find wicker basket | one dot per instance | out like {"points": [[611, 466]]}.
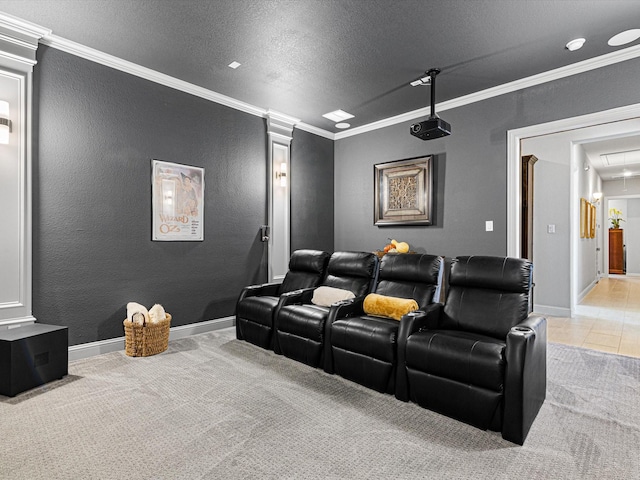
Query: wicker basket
{"points": [[146, 340]]}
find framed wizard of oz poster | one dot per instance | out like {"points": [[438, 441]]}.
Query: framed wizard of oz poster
{"points": [[403, 192], [177, 193]]}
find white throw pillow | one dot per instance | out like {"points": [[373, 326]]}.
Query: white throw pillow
{"points": [[326, 296]]}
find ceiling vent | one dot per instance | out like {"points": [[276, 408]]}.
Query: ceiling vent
{"points": [[620, 158], [434, 126]]}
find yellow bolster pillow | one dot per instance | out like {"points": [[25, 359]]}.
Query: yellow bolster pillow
{"points": [[392, 307]]}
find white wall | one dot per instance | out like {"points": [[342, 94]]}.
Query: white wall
{"points": [[551, 207], [618, 194], [17, 52], [619, 188], [588, 257], [632, 240], [11, 198]]}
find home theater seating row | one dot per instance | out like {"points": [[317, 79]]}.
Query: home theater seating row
{"points": [[469, 349]]}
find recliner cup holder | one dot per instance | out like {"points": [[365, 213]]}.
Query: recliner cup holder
{"points": [[520, 329]]}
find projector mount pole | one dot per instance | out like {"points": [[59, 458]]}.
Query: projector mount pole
{"points": [[432, 75]]}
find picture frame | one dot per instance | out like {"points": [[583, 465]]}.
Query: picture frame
{"points": [[587, 221], [583, 218], [592, 223], [403, 192], [177, 203]]}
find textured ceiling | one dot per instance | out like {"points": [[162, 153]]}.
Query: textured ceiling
{"points": [[304, 58]]}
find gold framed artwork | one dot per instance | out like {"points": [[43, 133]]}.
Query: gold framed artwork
{"points": [[583, 218], [403, 192], [587, 219]]}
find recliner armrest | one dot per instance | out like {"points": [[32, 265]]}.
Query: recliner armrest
{"points": [[264, 289], [525, 378], [427, 318], [410, 323], [302, 295], [294, 297], [350, 307], [342, 309]]}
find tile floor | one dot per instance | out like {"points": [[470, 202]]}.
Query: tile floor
{"points": [[608, 319]]}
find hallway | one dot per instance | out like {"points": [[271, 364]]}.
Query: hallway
{"points": [[608, 318]]}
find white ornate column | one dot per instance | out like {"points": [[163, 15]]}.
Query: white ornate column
{"points": [[18, 45], [280, 130]]}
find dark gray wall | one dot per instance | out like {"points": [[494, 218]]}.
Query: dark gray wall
{"points": [[96, 131], [311, 192], [471, 185]]}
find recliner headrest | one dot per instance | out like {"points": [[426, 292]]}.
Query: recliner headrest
{"points": [[352, 264], [411, 267], [314, 261], [498, 273]]}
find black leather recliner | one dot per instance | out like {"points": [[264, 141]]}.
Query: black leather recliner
{"points": [[300, 323], [363, 348], [480, 357], [256, 304]]}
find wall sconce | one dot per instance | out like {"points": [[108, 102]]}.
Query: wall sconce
{"points": [[597, 196], [5, 123], [282, 174]]}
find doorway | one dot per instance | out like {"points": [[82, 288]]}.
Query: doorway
{"points": [[602, 327], [558, 272], [629, 206]]}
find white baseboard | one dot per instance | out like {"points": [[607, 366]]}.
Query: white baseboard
{"points": [[552, 311], [8, 324], [587, 290], [85, 350]]}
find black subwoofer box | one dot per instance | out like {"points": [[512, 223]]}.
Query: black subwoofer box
{"points": [[32, 355]]}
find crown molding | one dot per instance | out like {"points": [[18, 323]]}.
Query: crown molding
{"points": [[315, 130], [125, 66], [280, 126], [538, 79], [111, 61], [19, 42], [23, 28], [26, 63], [282, 118], [47, 38]]}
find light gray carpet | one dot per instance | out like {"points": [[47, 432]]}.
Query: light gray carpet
{"points": [[215, 407]]}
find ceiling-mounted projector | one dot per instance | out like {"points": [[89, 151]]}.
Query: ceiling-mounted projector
{"points": [[434, 126]]}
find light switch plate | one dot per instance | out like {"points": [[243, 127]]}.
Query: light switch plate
{"points": [[488, 225]]}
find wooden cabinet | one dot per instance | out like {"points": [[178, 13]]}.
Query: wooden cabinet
{"points": [[616, 251]]}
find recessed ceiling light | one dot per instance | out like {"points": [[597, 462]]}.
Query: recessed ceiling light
{"points": [[625, 37], [338, 116], [343, 125], [575, 44], [234, 65]]}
